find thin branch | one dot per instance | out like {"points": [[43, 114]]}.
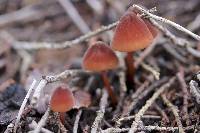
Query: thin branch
{"points": [[67, 44], [33, 125], [21, 110], [74, 15], [145, 128], [155, 73], [45, 45], [148, 104], [195, 91], [36, 94], [42, 122], [75, 129], [67, 74], [143, 117], [175, 112], [166, 21], [100, 113], [142, 92], [181, 79]]}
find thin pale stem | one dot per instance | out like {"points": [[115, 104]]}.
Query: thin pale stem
{"points": [[108, 88]]}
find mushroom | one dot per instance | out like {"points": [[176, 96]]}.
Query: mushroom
{"points": [[62, 101], [100, 58], [131, 34]]}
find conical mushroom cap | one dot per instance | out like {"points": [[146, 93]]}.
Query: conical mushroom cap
{"points": [[62, 100], [154, 31], [131, 34], [99, 57]]}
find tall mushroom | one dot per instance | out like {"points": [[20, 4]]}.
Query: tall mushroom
{"points": [[131, 34], [100, 58], [62, 101]]}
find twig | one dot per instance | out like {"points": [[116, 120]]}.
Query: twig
{"points": [[22, 14], [139, 96], [148, 104], [100, 113], [181, 79], [171, 50], [67, 44], [49, 79], [166, 21], [194, 24], [74, 15], [177, 40], [164, 115], [36, 94], [175, 112], [143, 117], [75, 129], [145, 128], [33, 125], [9, 128], [96, 5], [42, 122], [195, 91], [133, 98], [23, 105], [145, 53], [155, 73]]}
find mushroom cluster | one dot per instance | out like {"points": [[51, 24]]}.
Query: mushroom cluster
{"points": [[133, 33]]}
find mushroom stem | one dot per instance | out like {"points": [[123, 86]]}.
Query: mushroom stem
{"points": [[130, 69], [108, 87], [62, 117]]}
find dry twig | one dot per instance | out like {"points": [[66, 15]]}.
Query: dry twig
{"points": [[148, 104], [175, 112], [67, 74], [74, 15], [75, 129], [145, 128], [195, 91], [166, 21], [100, 113], [33, 125], [42, 122], [181, 79], [21, 110]]}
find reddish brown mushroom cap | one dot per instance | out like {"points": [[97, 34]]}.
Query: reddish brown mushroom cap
{"points": [[131, 34], [62, 100], [154, 31], [99, 57]]}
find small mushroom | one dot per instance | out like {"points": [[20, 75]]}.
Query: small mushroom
{"points": [[131, 34], [62, 101], [100, 58]]}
